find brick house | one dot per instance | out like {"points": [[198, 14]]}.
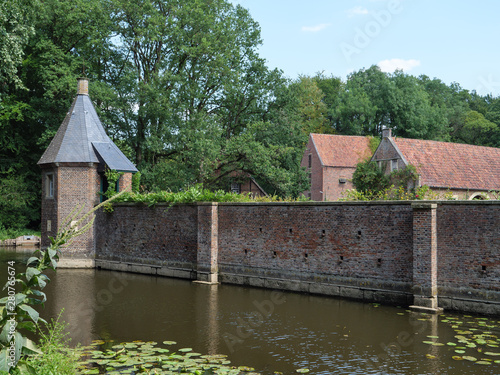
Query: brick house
{"points": [[331, 161], [73, 173], [467, 171], [244, 183]]}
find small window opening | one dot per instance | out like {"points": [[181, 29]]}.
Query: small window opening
{"points": [[49, 185], [309, 161], [394, 165], [236, 188]]}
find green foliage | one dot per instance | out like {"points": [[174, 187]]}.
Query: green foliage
{"points": [[24, 292], [368, 178], [9, 233], [55, 357], [15, 203], [136, 182], [311, 107], [112, 177], [197, 193]]}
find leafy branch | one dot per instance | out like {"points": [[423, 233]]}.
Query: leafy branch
{"points": [[17, 312]]}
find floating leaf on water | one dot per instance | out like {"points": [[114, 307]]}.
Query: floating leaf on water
{"points": [[430, 356], [185, 350], [460, 351], [302, 370], [169, 342], [245, 368], [483, 363], [492, 354], [433, 337], [98, 342], [469, 358], [451, 344], [428, 342], [457, 358]]}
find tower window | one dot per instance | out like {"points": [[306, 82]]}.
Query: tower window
{"points": [[49, 185], [310, 161]]}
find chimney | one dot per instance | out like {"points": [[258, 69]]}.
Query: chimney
{"points": [[83, 86], [386, 133]]}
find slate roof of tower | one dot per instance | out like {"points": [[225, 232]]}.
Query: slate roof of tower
{"points": [[341, 150], [453, 165], [81, 138]]}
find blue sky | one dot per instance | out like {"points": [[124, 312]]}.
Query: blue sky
{"points": [[455, 41]]}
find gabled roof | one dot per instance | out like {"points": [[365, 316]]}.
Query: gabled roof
{"points": [[81, 138], [453, 165], [341, 150]]}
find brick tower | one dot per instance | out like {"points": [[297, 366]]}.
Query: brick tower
{"points": [[73, 174]]}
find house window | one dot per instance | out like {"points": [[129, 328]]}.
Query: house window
{"points": [[310, 160], [49, 185], [310, 178], [235, 188], [394, 165]]}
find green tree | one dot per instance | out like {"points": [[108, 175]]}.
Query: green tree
{"points": [[311, 107]]}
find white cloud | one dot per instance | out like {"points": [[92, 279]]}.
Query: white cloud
{"points": [[315, 29], [356, 11], [391, 65]]}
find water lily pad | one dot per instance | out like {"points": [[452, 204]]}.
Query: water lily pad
{"points": [[483, 363], [169, 342], [492, 354], [469, 358], [302, 370], [457, 358]]}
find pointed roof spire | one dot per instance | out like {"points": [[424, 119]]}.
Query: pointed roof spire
{"points": [[81, 138]]}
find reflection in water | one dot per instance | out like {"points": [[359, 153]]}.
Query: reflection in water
{"points": [[265, 329]]}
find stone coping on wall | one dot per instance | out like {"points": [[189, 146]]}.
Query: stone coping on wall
{"points": [[328, 203]]}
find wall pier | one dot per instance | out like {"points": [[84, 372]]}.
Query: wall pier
{"points": [[425, 265], [208, 245]]}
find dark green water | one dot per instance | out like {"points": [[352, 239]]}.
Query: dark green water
{"points": [[268, 330]]}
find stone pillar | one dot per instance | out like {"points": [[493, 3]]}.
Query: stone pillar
{"points": [[425, 258], [208, 244]]}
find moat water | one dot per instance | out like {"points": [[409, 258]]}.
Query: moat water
{"points": [[265, 329]]}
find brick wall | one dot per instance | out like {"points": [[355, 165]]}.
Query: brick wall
{"points": [[469, 249], [333, 187], [315, 171], [379, 251], [76, 189], [331, 242], [159, 235]]}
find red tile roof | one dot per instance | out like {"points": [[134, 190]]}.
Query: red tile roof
{"points": [[341, 150], [453, 165]]}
